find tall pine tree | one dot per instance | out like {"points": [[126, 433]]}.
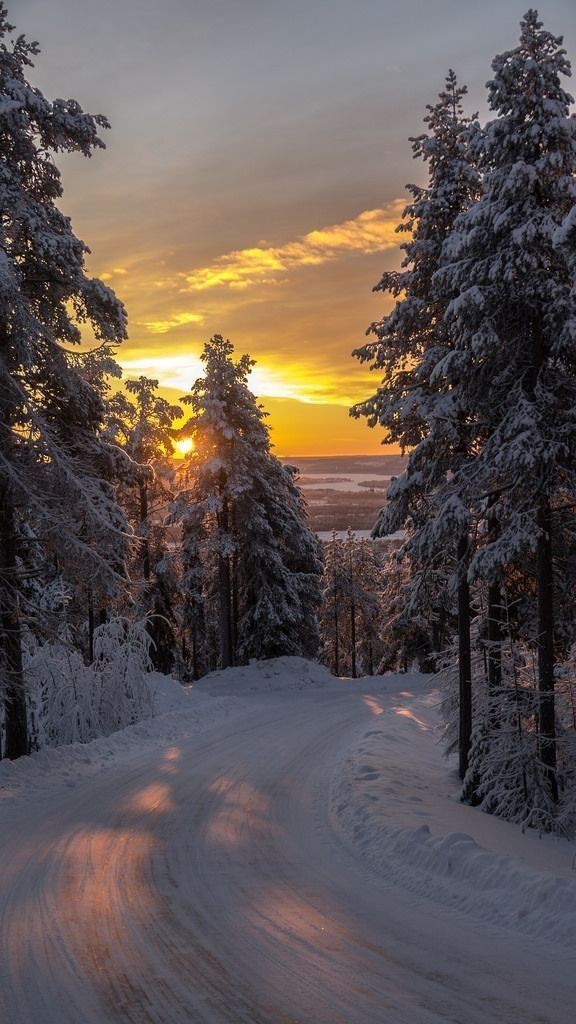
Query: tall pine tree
{"points": [[512, 320], [53, 463], [418, 408], [246, 544]]}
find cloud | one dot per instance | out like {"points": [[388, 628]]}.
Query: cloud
{"points": [[177, 320], [370, 232], [291, 380], [116, 272]]}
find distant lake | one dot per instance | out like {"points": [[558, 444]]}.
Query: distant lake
{"points": [[344, 491]]}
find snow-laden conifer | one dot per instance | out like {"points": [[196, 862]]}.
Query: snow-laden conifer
{"points": [[512, 321], [417, 407], [53, 464], [247, 548], [141, 422]]}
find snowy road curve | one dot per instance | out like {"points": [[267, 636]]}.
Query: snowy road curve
{"points": [[203, 881]]}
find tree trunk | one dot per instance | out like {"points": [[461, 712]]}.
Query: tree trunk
{"points": [[195, 660], [353, 637], [144, 521], [464, 658], [90, 628], [351, 584], [336, 640], [545, 585], [494, 648], [16, 727], [336, 594], [494, 630], [225, 594], [235, 609]]}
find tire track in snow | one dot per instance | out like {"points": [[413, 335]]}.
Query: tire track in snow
{"points": [[204, 884]]}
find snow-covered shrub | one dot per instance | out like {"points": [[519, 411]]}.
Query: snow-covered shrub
{"points": [[70, 702], [566, 725], [60, 695], [506, 775], [121, 658]]}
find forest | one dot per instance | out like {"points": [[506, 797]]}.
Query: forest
{"points": [[117, 558]]}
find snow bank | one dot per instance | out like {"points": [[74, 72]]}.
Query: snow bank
{"points": [[182, 712], [179, 711], [276, 675], [168, 694], [395, 802]]}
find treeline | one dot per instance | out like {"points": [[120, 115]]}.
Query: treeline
{"points": [[113, 559], [364, 626], [478, 360]]}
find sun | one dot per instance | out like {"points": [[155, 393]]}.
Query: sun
{"points": [[183, 447]]}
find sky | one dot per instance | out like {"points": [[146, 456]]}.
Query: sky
{"points": [[255, 172]]}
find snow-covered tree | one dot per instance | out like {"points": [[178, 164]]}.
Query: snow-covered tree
{"points": [[245, 533], [54, 465], [418, 409], [334, 589], [411, 340], [143, 425], [141, 422], [512, 321], [352, 610]]}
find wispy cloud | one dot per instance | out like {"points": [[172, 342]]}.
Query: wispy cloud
{"points": [[371, 231], [109, 275], [177, 320]]}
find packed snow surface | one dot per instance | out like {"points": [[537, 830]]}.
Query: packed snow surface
{"points": [[275, 847]]}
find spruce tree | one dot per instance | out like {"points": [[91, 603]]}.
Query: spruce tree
{"points": [[418, 408], [53, 464], [244, 522], [142, 425], [512, 321], [141, 421]]}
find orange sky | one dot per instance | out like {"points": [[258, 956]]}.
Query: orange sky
{"points": [[255, 173], [278, 302]]}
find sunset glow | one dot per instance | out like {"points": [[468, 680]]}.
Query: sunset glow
{"points": [[262, 206], [183, 447], [297, 365]]}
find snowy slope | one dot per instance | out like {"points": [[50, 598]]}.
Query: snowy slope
{"points": [[397, 802], [260, 854]]}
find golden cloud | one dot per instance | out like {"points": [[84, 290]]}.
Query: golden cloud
{"points": [[178, 320], [370, 232], [108, 275]]}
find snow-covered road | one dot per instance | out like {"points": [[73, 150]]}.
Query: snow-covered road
{"points": [[205, 880]]}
